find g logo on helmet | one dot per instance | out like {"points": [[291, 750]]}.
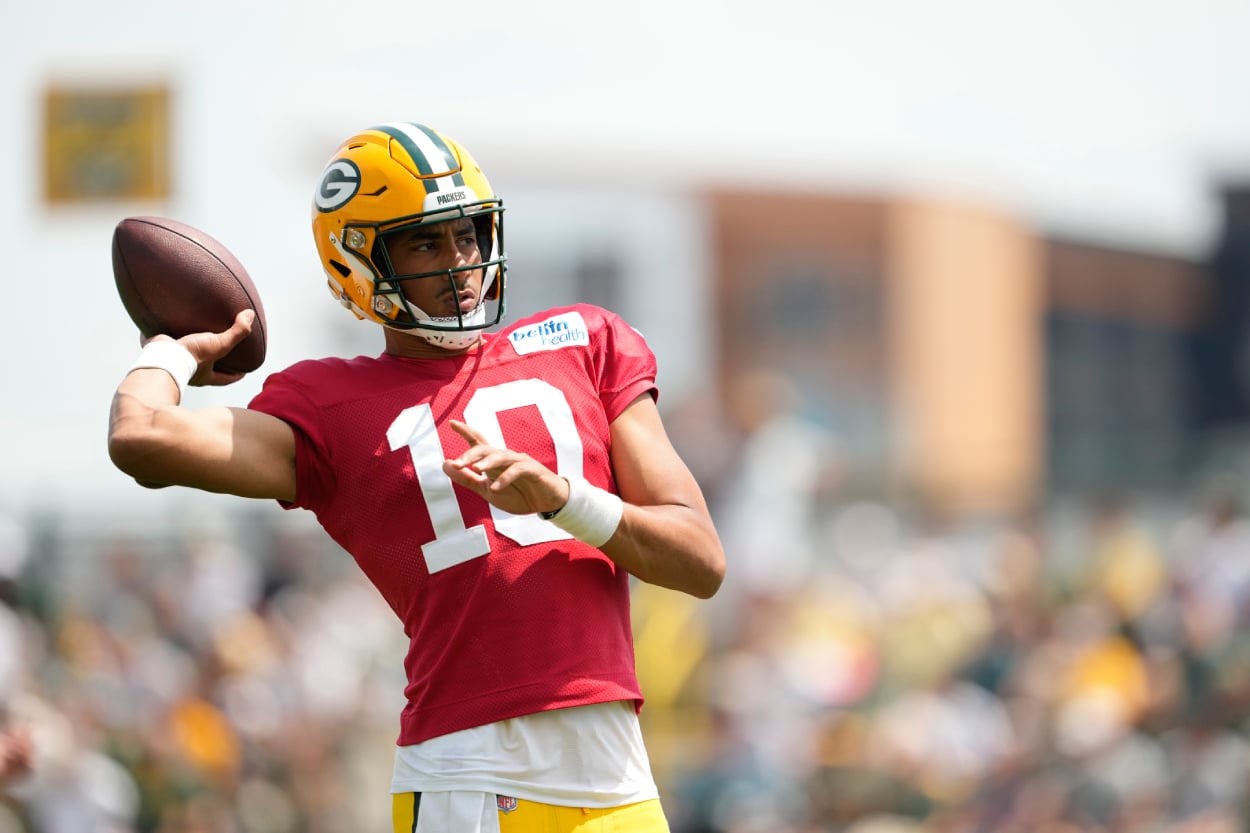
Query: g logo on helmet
{"points": [[339, 183]]}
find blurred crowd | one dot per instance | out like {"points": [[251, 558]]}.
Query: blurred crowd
{"points": [[878, 666], [227, 676], [867, 668]]}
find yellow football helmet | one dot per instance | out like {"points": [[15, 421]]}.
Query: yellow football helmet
{"points": [[388, 179]]}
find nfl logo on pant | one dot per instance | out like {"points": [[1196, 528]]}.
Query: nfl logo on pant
{"points": [[505, 803]]}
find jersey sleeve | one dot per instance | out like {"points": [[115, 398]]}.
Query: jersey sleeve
{"points": [[626, 365], [283, 397]]}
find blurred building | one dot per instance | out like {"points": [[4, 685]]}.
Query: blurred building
{"points": [[971, 362], [1221, 354], [1121, 394]]}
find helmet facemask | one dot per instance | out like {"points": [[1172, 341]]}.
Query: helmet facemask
{"points": [[452, 332]]}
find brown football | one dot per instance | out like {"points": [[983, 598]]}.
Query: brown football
{"points": [[176, 280]]}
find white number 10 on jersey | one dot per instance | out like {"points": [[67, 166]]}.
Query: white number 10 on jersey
{"points": [[414, 429]]}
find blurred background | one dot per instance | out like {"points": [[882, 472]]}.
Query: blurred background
{"points": [[950, 302]]}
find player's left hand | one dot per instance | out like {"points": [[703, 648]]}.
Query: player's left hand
{"points": [[510, 480]]}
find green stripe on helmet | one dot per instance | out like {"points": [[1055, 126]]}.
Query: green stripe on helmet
{"points": [[419, 157]]}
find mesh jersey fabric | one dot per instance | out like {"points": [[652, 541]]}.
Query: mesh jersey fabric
{"points": [[505, 615]]}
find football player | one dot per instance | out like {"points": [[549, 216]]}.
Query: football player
{"points": [[499, 488]]}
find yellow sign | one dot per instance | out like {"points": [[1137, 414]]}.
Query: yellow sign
{"points": [[106, 144]]}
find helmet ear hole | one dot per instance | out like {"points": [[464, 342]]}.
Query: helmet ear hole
{"points": [[341, 268]]}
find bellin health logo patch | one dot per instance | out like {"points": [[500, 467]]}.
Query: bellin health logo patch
{"points": [[565, 330]]}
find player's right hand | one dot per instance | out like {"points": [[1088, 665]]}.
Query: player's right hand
{"points": [[207, 348]]}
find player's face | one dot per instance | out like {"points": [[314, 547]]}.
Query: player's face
{"points": [[433, 248]]}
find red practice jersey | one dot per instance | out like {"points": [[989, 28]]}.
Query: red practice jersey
{"points": [[505, 614]]}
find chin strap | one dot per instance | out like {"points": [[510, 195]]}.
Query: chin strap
{"points": [[456, 340], [450, 339], [447, 339]]}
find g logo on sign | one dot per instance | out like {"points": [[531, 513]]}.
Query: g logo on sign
{"points": [[339, 183]]}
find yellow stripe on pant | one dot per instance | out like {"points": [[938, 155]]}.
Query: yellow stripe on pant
{"points": [[521, 816]]}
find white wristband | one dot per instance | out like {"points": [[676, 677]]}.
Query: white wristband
{"points": [[591, 514], [171, 357]]}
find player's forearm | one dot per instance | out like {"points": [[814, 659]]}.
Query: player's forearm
{"points": [[228, 450], [671, 546], [155, 441], [133, 425], [142, 434]]}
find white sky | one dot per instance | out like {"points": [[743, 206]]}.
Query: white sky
{"points": [[1108, 119], [1113, 114]]}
